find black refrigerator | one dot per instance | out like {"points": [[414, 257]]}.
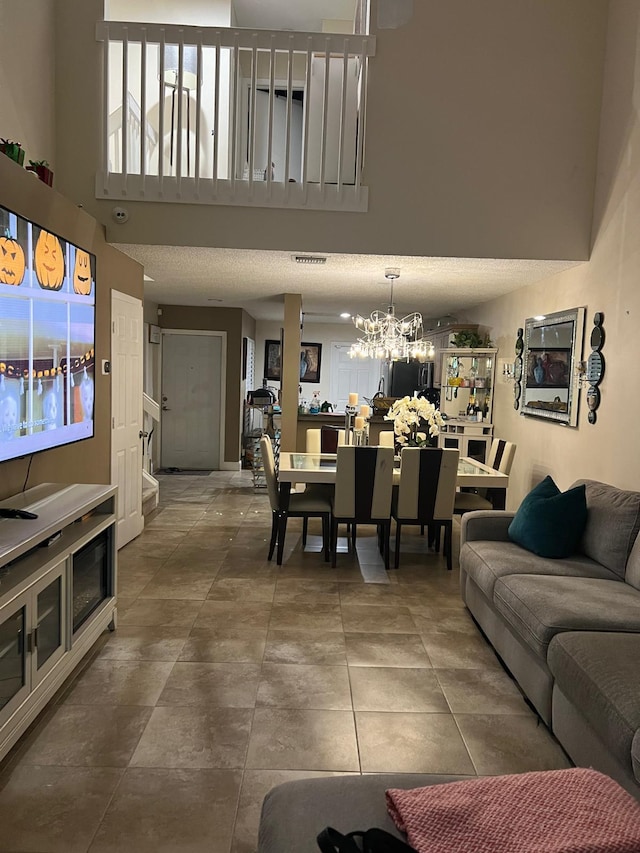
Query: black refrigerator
{"points": [[402, 378]]}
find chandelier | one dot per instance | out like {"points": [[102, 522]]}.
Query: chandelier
{"points": [[387, 337]]}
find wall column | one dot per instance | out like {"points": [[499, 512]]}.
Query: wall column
{"points": [[290, 366]]}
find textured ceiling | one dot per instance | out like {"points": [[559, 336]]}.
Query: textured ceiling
{"points": [[257, 280]]}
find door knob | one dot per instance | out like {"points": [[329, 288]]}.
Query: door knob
{"points": [[142, 434], [166, 409]]}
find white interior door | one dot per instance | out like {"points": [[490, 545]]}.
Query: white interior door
{"points": [[333, 119], [279, 139], [126, 411], [361, 375], [191, 399]]}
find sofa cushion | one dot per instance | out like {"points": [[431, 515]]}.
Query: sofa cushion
{"points": [[599, 673], [550, 522], [632, 574], [613, 521], [538, 607], [486, 561]]}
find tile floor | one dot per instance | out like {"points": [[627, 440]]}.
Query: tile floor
{"points": [[228, 675]]}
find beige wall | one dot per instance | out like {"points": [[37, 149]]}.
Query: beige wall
{"points": [[608, 450], [86, 461], [481, 139], [229, 320], [321, 333], [209, 13], [27, 77]]}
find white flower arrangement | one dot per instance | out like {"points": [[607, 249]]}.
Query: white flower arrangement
{"points": [[410, 413]]}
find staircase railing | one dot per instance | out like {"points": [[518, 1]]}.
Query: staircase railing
{"points": [[232, 116]]}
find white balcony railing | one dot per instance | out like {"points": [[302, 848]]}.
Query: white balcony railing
{"points": [[196, 115]]}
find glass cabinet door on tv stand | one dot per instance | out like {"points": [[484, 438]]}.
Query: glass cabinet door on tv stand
{"points": [[466, 400]]}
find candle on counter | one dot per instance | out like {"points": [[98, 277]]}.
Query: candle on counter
{"points": [[364, 411], [353, 399], [358, 422]]}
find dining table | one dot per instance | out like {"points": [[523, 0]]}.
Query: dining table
{"points": [[321, 468]]}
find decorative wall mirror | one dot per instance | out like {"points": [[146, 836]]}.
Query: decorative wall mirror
{"points": [[552, 350]]}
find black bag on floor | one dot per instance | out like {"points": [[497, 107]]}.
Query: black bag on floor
{"points": [[371, 841]]}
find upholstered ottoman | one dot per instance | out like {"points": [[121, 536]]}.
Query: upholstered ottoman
{"points": [[554, 810], [294, 813]]}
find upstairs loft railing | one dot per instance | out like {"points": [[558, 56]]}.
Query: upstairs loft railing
{"points": [[233, 116]]}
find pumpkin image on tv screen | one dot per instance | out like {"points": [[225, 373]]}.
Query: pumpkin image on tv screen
{"points": [[12, 264], [49, 261], [82, 273]]}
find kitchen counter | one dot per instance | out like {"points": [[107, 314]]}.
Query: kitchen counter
{"points": [[377, 423]]}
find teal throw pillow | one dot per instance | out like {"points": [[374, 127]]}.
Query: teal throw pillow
{"points": [[549, 522]]}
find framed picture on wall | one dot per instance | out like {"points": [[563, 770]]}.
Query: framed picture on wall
{"points": [[310, 355], [310, 360], [272, 367]]}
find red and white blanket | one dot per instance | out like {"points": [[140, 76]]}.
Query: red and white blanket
{"points": [[555, 811]]}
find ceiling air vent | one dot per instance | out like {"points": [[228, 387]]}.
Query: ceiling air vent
{"points": [[309, 259]]}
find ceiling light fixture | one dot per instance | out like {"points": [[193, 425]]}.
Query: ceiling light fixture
{"points": [[387, 337], [345, 315], [309, 259]]}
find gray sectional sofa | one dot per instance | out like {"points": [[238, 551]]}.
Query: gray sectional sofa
{"points": [[568, 630]]}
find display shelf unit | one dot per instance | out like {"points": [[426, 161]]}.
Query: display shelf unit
{"points": [[467, 381], [441, 337], [57, 593]]}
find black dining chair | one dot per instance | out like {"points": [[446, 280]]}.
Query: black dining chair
{"points": [[426, 493], [303, 505], [364, 482]]}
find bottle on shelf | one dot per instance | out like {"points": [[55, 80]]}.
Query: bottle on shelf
{"points": [[471, 406]]}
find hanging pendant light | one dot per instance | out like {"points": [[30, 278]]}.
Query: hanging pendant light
{"points": [[389, 338]]}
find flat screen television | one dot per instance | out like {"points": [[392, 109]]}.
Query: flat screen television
{"points": [[47, 339]]}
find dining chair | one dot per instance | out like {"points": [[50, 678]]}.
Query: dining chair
{"points": [[324, 440], [364, 482], [304, 505], [426, 493], [387, 438], [500, 457]]}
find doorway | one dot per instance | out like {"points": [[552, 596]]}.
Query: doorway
{"points": [[193, 364], [126, 411]]}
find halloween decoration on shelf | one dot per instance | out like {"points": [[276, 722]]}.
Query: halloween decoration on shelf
{"points": [[49, 261], [82, 277], [595, 366], [12, 263]]}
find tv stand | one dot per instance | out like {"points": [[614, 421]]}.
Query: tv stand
{"points": [[57, 593], [12, 512]]}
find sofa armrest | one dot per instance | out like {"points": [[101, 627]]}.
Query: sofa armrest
{"points": [[491, 524]]}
